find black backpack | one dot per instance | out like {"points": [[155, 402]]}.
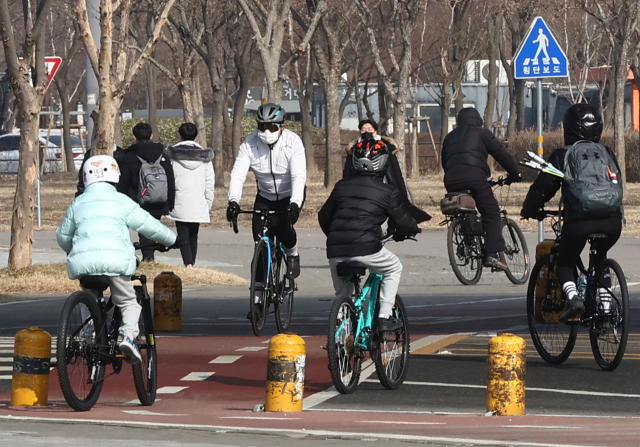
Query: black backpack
{"points": [[592, 184]]}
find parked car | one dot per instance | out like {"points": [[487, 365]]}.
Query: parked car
{"points": [[10, 153], [76, 147]]}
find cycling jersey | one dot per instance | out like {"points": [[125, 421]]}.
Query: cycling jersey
{"points": [[280, 172]]}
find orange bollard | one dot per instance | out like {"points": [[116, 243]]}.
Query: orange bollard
{"points": [[167, 297], [31, 361]]}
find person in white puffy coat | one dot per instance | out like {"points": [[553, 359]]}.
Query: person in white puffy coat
{"points": [[195, 180]]}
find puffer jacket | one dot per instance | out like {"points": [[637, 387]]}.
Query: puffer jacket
{"points": [[194, 176], [357, 207], [465, 150], [95, 232]]}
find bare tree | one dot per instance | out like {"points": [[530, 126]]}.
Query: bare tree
{"points": [[242, 61], [110, 60], [29, 83]]}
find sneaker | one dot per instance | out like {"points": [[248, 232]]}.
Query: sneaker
{"points": [[388, 324], [494, 263], [293, 267], [130, 349], [574, 309]]}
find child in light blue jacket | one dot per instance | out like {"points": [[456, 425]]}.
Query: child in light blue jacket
{"points": [[95, 235]]}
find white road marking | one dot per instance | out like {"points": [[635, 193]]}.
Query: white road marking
{"points": [[226, 359], [545, 390], [298, 432], [6, 359], [467, 302], [6, 368], [150, 413], [197, 376], [137, 402], [252, 348], [171, 389], [6, 351], [556, 427], [403, 423], [258, 418], [6, 377], [629, 284]]}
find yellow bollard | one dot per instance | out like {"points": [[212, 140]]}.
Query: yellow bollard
{"points": [[285, 373], [31, 360], [506, 367], [167, 297]]}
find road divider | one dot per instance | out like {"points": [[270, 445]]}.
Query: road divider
{"points": [[31, 365], [506, 365], [285, 373], [167, 298]]}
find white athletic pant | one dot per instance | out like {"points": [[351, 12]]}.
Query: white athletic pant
{"points": [[124, 296], [383, 263]]}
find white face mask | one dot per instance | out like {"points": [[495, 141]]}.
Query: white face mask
{"points": [[268, 137]]}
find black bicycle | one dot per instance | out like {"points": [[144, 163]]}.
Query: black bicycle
{"points": [[465, 242], [87, 342], [268, 280], [606, 302]]}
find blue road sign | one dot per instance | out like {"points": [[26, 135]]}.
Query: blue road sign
{"points": [[539, 55]]}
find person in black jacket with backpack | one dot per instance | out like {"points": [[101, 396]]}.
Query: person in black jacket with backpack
{"points": [[352, 218], [464, 159], [145, 150], [582, 122]]}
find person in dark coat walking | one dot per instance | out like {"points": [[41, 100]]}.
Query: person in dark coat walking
{"points": [[130, 165], [464, 159]]}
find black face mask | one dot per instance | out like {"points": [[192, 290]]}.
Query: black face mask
{"points": [[366, 136]]}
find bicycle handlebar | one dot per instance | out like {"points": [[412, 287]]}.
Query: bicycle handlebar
{"points": [[154, 246], [234, 223]]}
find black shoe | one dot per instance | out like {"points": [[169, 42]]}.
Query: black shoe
{"points": [[388, 324], [293, 267], [574, 309], [494, 263]]}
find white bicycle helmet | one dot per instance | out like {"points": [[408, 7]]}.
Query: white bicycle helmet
{"points": [[100, 168], [270, 113]]}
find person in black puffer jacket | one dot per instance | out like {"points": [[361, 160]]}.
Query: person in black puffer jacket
{"points": [[464, 159], [581, 122], [130, 171], [352, 218]]}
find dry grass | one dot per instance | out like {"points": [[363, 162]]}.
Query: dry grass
{"points": [[53, 279], [58, 191]]}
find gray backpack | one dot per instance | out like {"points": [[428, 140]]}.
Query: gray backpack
{"points": [[152, 184], [592, 185]]}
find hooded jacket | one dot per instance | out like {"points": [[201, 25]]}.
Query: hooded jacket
{"points": [[466, 148], [95, 232], [357, 207], [194, 177], [130, 172]]}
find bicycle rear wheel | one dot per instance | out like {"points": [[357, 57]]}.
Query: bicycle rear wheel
{"points": [[516, 253], [81, 335], [553, 340], [259, 287], [464, 254], [145, 373], [610, 326], [283, 296], [390, 350], [344, 361]]}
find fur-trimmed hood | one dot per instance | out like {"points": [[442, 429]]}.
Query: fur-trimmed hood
{"points": [[189, 154]]}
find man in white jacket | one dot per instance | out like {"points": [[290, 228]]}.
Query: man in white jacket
{"points": [[277, 158], [195, 179]]}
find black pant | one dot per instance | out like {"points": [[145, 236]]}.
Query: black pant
{"points": [[489, 210], [147, 253], [189, 250], [573, 238], [284, 232]]}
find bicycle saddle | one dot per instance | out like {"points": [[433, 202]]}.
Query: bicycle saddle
{"points": [[457, 193], [351, 268], [594, 236], [97, 282]]}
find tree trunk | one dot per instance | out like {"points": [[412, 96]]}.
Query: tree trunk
{"points": [[307, 135], [519, 103], [66, 127], [238, 113], [20, 248], [445, 111], [333, 166], [105, 129], [219, 103], [197, 114], [620, 78], [399, 119], [152, 77], [492, 89], [382, 107]]}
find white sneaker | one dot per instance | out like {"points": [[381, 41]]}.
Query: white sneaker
{"points": [[129, 348]]}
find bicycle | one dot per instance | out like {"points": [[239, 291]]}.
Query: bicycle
{"points": [[353, 333], [465, 243], [606, 302], [87, 342], [268, 268]]}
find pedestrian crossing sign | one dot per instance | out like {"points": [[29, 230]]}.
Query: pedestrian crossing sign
{"points": [[539, 55]]}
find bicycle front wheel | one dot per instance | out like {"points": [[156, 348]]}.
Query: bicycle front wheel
{"points": [[516, 253], [390, 350], [610, 325], [344, 361], [464, 254], [283, 296], [259, 289], [80, 338], [145, 373], [553, 340]]}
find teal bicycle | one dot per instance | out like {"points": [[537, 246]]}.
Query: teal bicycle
{"points": [[353, 332]]}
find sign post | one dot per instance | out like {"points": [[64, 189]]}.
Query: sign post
{"points": [[540, 56]]}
